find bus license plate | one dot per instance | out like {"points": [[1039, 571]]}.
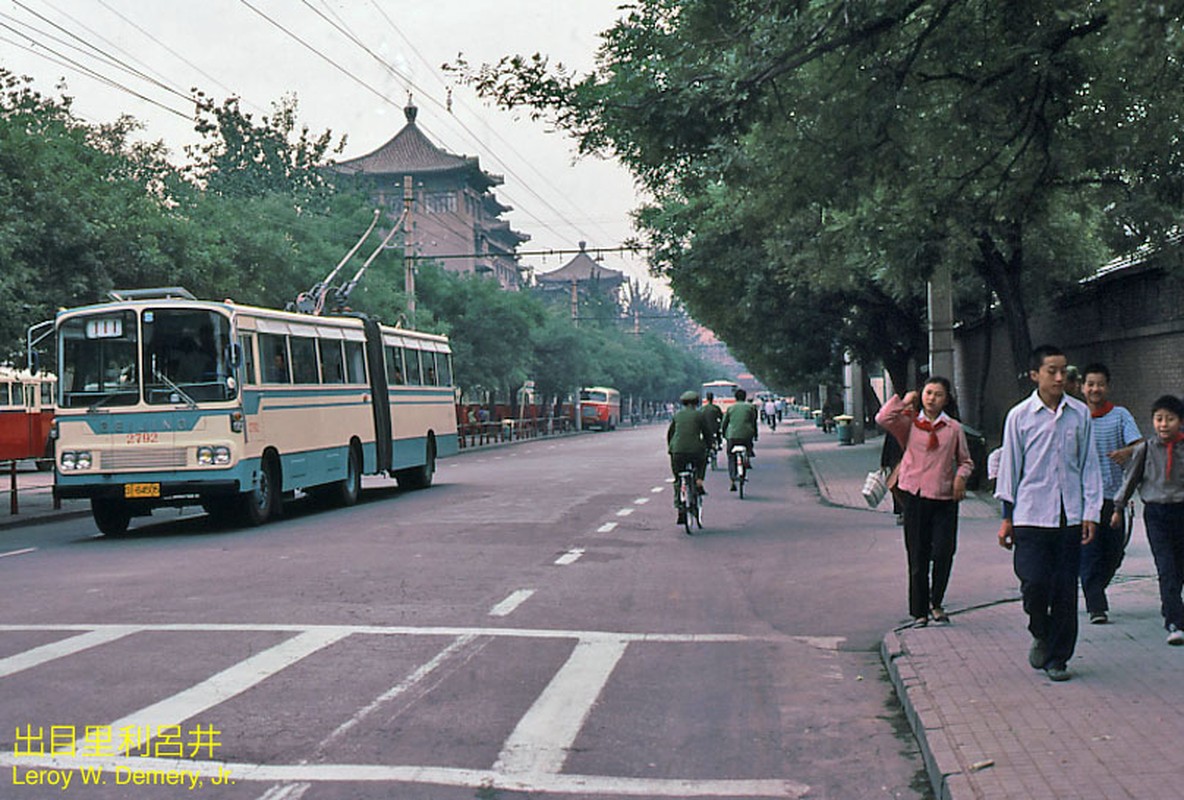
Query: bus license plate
{"points": [[141, 490]]}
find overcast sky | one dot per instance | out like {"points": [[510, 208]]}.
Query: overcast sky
{"points": [[228, 47]]}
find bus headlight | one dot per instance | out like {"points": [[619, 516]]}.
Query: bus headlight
{"points": [[213, 455], [75, 460]]}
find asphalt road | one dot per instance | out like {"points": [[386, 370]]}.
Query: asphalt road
{"points": [[533, 625]]}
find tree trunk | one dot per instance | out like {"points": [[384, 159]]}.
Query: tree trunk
{"points": [[1002, 275]]}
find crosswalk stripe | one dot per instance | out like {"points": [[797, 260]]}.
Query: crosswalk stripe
{"points": [[226, 684], [66, 647]]}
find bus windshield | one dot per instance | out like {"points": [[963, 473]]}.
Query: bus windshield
{"points": [[593, 397], [177, 355]]}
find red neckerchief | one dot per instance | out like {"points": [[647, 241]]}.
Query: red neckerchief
{"points": [[1171, 446], [926, 425], [1101, 410]]}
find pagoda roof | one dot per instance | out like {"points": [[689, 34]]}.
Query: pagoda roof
{"points": [[580, 269], [410, 151]]}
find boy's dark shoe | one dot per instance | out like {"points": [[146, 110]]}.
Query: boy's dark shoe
{"points": [[1057, 674], [1038, 655]]}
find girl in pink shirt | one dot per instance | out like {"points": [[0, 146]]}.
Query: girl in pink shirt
{"points": [[931, 482]]}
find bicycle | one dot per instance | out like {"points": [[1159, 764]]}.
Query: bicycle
{"points": [[713, 454], [689, 498], [740, 459]]}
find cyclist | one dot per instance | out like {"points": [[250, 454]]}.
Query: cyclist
{"points": [[714, 416], [687, 440], [739, 427]]}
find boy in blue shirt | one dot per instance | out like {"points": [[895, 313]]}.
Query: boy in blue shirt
{"points": [[1050, 484]]}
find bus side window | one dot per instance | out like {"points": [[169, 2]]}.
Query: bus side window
{"points": [[46, 393], [304, 359], [4, 395], [444, 363], [394, 365], [247, 346], [430, 376], [412, 366], [274, 350], [355, 362], [332, 364]]}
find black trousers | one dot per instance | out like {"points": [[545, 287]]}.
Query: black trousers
{"points": [[930, 539], [1100, 559], [1046, 562]]}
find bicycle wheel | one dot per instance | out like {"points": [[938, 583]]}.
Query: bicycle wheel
{"points": [[741, 476], [699, 510], [690, 501]]}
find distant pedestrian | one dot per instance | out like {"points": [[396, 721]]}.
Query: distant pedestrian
{"points": [[931, 482], [1157, 471], [1051, 488], [1114, 433], [1073, 382]]}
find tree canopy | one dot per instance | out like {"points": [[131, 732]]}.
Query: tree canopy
{"points": [[811, 164]]}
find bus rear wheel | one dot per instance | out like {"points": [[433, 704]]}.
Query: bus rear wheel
{"points": [[419, 477], [111, 516]]}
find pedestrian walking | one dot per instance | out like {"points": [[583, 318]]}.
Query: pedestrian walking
{"points": [[931, 482], [1114, 434], [1157, 471], [1050, 484]]}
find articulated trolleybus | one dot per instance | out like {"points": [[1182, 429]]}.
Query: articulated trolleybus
{"points": [[165, 400]]}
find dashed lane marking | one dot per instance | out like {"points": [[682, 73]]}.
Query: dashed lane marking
{"points": [[18, 552], [624, 512], [641, 501], [606, 527], [570, 557], [657, 489], [507, 606]]}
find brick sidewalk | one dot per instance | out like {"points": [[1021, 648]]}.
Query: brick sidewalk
{"points": [[992, 728]]}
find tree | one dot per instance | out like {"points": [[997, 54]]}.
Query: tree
{"points": [[851, 142]]}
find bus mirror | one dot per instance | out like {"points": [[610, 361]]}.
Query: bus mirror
{"points": [[234, 355], [34, 362]]}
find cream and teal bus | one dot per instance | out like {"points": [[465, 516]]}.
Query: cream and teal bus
{"points": [[166, 400]]}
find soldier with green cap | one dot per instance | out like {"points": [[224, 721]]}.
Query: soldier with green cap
{"points": [[687, 440]]}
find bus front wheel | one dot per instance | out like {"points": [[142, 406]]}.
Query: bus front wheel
{"points": [[349, 490], [257, 504], [111, 516]]}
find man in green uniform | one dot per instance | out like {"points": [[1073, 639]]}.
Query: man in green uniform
{"points": [[739, 427], [687, 439], [714, 416]]}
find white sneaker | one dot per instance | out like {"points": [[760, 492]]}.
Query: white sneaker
{"points": [[1175, 636]]}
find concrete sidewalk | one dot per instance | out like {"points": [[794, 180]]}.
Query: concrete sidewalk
{"points": [[989, 726]]}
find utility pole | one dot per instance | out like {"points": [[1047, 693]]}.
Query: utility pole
{"points": [[941, 322], [408, 260]]}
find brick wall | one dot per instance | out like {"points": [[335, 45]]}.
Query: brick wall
{"points": [[1132, 320]]}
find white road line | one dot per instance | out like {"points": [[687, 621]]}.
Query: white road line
{"points": [[641, 501], [540, 742], [507, 606], [228, 683], [341, 631], [401, 688], [609, 785], [624, 512], [286, 791], [570, 557], [66, 647], [606, 527], [657, 489], [18, 552]]}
